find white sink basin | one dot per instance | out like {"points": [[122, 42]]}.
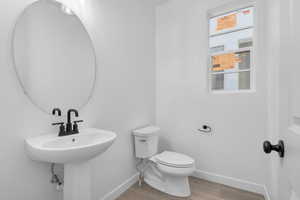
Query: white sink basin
{"points": [[74, 152], [68, 149]]}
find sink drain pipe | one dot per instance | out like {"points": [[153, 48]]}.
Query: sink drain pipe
{"points": [[56, 179]]}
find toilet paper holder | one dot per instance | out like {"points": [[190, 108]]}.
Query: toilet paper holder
{"points": [[205, 129]]}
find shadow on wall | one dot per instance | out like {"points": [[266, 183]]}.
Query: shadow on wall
{"points": [[164, 144]]}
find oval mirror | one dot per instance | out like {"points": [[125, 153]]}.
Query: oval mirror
{"points": [[54, 56]]}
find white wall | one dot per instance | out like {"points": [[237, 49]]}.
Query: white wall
{"points": [[125, 96], [123, 35], [239, 121]]}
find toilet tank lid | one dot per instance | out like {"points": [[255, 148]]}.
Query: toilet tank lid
{"points": [[146, 131]]}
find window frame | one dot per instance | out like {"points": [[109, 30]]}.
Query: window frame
{"points": [[229, 8]]}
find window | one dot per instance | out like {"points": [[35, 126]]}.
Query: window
{"points": [[231, 50]]}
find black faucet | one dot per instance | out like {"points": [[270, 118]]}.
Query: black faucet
{"points": [[69, 129], [69, 123]]}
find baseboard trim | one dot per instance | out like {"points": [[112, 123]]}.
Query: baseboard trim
{"points": [[233, 182], [118, 191]]}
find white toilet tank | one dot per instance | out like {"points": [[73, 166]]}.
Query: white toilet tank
{"points": [[146, 141]]}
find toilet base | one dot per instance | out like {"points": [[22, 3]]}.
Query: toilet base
{"points": [[178, 187], [173, 185]]}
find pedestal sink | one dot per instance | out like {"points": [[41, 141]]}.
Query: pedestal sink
{"points": [[74, 152]]}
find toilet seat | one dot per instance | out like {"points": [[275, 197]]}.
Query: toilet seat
{"points": [[176, 160]]}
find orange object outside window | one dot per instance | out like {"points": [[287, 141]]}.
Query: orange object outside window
{"points": [[226, 22], [224, 61]]}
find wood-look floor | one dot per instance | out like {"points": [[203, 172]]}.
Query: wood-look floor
{"points": [[201, 190]]}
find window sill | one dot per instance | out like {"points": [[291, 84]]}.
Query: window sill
{"points": [[232, 92]]}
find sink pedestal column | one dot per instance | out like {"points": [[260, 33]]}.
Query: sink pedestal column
{"points": [[77, 181]]}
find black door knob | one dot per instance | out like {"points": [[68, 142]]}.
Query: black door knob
{"points": [[268, 147]]}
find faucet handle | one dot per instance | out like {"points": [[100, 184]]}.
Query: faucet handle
{"points": [[75, 126], [78, 121], [58, 123], [61, 128]]}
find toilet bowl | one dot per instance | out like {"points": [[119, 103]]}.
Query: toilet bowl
{"points": [[167, 171]]}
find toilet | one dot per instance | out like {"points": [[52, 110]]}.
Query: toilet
{"points": [[166, 171]]}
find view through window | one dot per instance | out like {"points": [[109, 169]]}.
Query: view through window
{"points": [[230, 44]]}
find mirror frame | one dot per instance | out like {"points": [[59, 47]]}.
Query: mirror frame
{"points": [[15, 66]]}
